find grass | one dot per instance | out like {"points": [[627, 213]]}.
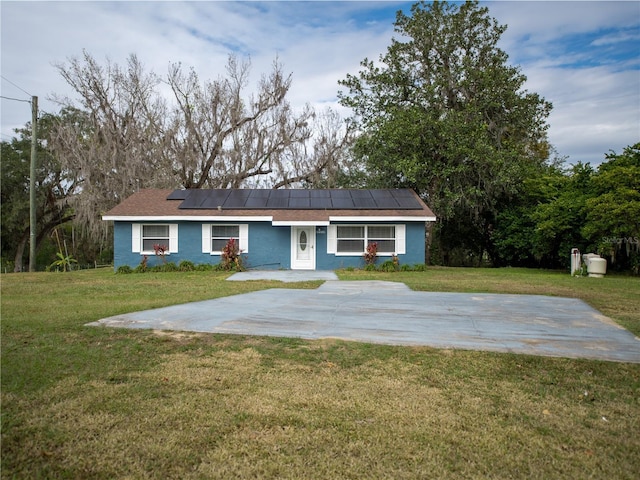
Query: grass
{"points": [[81, 402]]}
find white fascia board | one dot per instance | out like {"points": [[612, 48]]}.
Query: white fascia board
{"points": [[299, 223], [179, 218], [382, 219]]}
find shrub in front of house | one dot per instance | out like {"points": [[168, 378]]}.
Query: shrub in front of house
{"points": [[231, 256], [205, 267], [183, 266], [186, 266], [371, 254], [387, 266], [165, 267]]}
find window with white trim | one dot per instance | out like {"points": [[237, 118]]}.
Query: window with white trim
{"points": [[350, 239], [353, 239], [221, 234], [216, 236], [145, 236], [154, 235], [384, 236]]}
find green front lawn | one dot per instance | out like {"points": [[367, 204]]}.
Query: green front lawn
{"points": [[81, 402]]}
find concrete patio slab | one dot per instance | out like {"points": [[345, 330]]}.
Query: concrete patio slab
{"points": [[283, 275], [391, 313]]}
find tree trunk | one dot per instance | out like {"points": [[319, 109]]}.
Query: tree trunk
{"points": [[428, 243], [17, 261]]}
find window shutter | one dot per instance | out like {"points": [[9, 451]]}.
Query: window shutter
{"points": [[332, 234], [401, 248], [173, 238], [135, 237], [243, 243], [206, 238]]}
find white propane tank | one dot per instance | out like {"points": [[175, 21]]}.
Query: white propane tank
{"points": [[576, 263], [586, 259], [597, 267]]}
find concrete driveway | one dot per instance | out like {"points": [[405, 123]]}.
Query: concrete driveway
{"points": [[391, 313]]}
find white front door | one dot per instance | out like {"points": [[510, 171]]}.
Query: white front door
{"points": [[303, 248]]}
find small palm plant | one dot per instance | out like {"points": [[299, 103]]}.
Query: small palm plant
{"points": [[63, 262]]}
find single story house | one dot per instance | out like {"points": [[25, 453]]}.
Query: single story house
{"points": [[276, 229]]}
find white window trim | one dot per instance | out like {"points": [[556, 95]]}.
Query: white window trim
{"points": [[136, 238], [400, 238], [243, 242]]}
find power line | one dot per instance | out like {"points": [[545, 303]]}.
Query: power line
{"points": [[15, 99], [17, 86]]}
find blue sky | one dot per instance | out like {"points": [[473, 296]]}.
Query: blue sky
{"points": [[584, 57]]}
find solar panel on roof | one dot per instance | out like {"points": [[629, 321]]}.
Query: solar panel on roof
{"points": [[320, 193], [384, 199], [240, 193], [364, 203], [339, 193], [360, 193], [237, 199], [260, 193], [278, 197], [320, 202], [406, 198], [400, 193], [380, 199], [299, 202], [215, 199], [178, 195], [342, 203], [256, 202], [277, 201], [408, 203], [196, 198], [299, 193]]}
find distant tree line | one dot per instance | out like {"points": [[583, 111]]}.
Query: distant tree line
{"points": [[441, 112]]}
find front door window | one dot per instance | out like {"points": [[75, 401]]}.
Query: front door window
{"points": [[303, 240], [303, 244]]}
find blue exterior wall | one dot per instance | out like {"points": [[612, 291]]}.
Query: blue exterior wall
{"points": [[269, 247], [121, 251], [415, 245]]}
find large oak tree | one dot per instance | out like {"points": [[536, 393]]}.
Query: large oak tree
{"points": [[141, 130], [443, 112]]}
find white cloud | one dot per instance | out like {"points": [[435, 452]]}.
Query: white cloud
{"points": [[595, 109], [596, 96], [596, 99], [617, 37]]}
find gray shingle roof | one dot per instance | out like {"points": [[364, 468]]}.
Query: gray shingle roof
{"points": [[157, 203]]}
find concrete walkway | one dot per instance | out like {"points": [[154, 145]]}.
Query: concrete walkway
{"points": [[391, 313], [283, 275]]}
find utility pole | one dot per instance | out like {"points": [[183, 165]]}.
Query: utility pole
{"points": [[32, 185]]}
